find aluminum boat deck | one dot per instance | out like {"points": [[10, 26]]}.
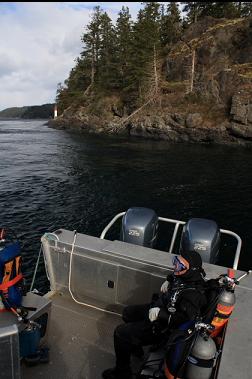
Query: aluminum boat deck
{"points": [[109, 275], [80, 341]]}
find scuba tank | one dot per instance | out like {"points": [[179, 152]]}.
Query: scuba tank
{"points": [[193, 354], [225, 305], [224, 309], [201, 359]]}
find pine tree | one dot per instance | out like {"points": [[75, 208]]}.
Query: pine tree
{"points": [[59, 99], [107, 63], [225, 10], [123, 47], [194, 10], [72, 90], [218, 9], [162, 25], [207, 9], [246, 9], [92, 44], [146, 37], [170, 24]]}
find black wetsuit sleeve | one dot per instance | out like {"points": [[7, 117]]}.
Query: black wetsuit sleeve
{"points": [[159, 301], [170, 278]]}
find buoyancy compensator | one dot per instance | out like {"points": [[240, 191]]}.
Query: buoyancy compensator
{"points": [[11, 278], [177, 349]]}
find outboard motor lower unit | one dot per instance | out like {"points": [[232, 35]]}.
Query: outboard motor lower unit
{"points": [[139, 227], [203, 236]]}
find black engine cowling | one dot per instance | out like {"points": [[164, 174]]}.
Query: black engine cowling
{"points": [[139, 227], [203, 236]]}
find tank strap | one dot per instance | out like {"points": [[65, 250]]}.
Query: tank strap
{"points": [[207, 363], [18, 264], [6, 285], [222, 315], [7, 271], [226, 309]]}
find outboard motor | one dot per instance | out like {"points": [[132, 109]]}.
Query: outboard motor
{"points": [[139, 227], [203, 236]]}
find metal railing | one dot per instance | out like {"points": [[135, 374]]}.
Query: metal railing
{"points": [[177, 224], [102, 236]]}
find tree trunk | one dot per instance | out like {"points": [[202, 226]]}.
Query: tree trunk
{"points": [[92, 66], [155, 70], [92, 71], [192, 71]]}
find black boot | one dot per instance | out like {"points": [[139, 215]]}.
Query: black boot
{"points": [[114, 373]]}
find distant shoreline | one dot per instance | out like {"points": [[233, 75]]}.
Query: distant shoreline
{"points": [[43, 112], [23, 119]]}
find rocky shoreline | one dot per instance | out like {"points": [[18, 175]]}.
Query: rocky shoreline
{"points": [[168, 126], [203, 93]]}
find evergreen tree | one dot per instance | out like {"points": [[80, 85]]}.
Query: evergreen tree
{"points": [[123, 47], [72, 90], [151, 18], [207, 9], [79, 77], [107, 63], [194, 10], [59, 99], [83, 75], [162, 25], [218, 9], [170, 24], [146, 36], [225, 10], [92, 44], [246, 9]]}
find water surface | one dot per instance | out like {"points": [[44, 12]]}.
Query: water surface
{"points": [[53, 179]]}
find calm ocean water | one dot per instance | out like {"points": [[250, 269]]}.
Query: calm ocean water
{"points": [[53, 179]]}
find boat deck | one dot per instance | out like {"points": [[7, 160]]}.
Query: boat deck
{"points": [[80, 341], [80, 338]]}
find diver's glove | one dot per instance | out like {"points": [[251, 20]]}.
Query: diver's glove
{"points": [[153, 313], [165, 286]]}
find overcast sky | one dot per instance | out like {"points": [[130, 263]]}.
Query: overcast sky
{"points": [[39, 42]]}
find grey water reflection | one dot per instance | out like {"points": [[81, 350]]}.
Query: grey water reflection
{"points": [[53, 179]]}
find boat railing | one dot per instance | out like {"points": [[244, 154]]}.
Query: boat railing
{"points": [[177, 224]]}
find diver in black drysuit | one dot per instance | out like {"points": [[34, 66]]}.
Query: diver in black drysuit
{"points": [[181, 299]]}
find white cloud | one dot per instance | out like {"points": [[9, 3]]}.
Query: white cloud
{"points": [[39, 43]]}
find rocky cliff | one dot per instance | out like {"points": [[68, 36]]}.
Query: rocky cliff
{"points": [[205, 91]]}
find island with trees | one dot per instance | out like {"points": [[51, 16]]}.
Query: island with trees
{"points": [[45, 111], [163, 76]]}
